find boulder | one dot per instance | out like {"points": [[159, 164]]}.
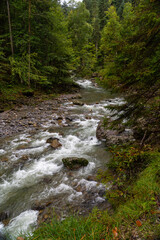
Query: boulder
{"points": [[77, 96], [74, 163], [49, 140], [54, 143], [113, 137], [75, 102]]}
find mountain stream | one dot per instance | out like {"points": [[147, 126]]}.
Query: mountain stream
{"points": [[35, 173]]}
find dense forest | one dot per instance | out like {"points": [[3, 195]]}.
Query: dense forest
{"points": [[43, 43]]}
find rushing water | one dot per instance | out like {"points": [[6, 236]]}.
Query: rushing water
{"points": [[42, 177]]}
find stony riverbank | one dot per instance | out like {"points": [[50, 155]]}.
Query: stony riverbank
{"points": [[33, 114]]}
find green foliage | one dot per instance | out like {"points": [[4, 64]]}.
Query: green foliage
{"points": [[49, 62], [130, 49], [109, 44], [80, 32], [143, 202], [80, 29], [87, 59], [137, 214], [103, 6], [129, 161]]}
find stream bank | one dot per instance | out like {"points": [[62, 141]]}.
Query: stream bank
{"points": [[33, 178]]}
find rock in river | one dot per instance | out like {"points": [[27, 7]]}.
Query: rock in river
{"points": [[75, 102], [73, 163], [54, 143]]}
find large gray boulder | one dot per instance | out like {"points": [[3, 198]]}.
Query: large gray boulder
{"points": [[113, 137], [74, 163]]}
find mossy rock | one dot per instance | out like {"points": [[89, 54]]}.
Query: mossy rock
{"points": [[74, 163]]}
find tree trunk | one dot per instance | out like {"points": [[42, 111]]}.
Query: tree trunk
{"points": [[96, 49], [10, 28], [29, 44]]}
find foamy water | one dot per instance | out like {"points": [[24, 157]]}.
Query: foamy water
{"points": [[22, 183]]}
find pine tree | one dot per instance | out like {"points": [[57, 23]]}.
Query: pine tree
{"points": [[111, 37], [80, 33], [103, 6], [42, 50], [135, 66]]}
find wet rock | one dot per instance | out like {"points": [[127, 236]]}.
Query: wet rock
{"points": [[38, 206], [71, 174], [4, 159], [79, 189], [24, 158], [21, 147], [113, 137], [88, 117], [78, 103], [77, 96], [6, 222], [47, 180], [69, 119], [55, 143], [50, 140], [74, 163], [3, 216]]}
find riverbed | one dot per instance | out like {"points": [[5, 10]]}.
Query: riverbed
{"points": [[33, 179]]}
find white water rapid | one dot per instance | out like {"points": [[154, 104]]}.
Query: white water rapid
{"points": [[35, 172]]}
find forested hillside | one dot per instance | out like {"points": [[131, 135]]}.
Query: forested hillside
{"points": [[44, 44], [35, 48]]}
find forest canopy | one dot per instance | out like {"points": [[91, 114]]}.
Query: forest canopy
{"points": [[42, 43]]}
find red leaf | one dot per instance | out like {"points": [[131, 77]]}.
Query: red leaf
{"points": [[115, 233], [138, 222]]}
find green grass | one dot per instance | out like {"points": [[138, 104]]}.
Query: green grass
{"points": [[141, 205]]}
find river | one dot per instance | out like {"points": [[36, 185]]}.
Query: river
{"points": [[35, 172]]}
